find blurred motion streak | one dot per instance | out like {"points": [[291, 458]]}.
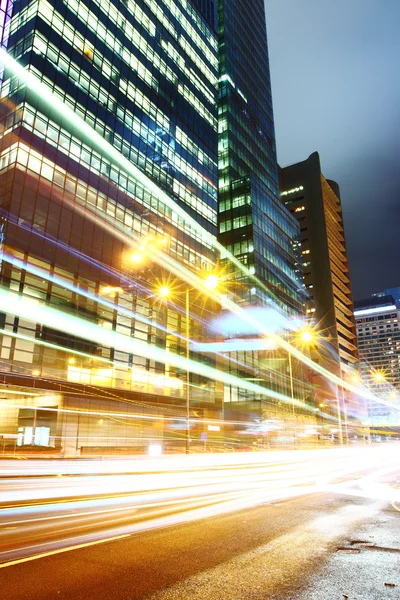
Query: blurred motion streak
{"points": [[50, 506], [73, 122]]}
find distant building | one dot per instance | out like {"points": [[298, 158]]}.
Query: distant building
{"points": [[315, 202], [395, 292], [377, 322]]}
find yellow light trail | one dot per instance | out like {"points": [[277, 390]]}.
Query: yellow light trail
{"points": [[26, 308], [64, 115], [108, 414]]}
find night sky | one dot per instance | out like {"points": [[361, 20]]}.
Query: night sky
{"points": [[335, 69]]}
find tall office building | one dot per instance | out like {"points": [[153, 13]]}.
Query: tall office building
{"points": [[316, 204], [143, 75], [378, 333], [253, 224]]}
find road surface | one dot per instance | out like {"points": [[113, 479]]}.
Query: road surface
{"points": [[217, 537]]}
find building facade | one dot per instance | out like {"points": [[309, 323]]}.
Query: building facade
{"points": [[394, 292], [253, 224], [378, 333], [79, 215], [315, 202]]}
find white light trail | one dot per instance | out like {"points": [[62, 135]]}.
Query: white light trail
{"points": [[27, 308], [51, 514], [76, 125]]}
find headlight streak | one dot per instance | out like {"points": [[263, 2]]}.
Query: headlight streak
{"points": [[173, 491], [33, 269], [65, 283], [27, 308], [75, 124], [98, 413], [196, 282]]}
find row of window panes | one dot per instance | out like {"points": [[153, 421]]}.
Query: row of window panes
{"points": [[189, 198], [131, 34], [234, 202], [199, 43], [49, 171], [99, 95], [235, 223]]}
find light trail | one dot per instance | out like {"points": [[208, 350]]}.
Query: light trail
{"points": [[233, 346], [63, 114], [67, 284], [108, 414], [102, 500], [26, 308]]}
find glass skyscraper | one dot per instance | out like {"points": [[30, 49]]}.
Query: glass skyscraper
{"points": [[143, 75], [253, 224]]}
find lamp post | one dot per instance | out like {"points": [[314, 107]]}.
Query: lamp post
{"points": [[211, 282], [307, 337], [292, 396], [339, 415], [187, 307]]}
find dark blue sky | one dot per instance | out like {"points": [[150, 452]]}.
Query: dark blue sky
{"points": [[335, 68]]}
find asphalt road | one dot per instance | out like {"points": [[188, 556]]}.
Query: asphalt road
{"points": [[289, 541], [274, 551]]}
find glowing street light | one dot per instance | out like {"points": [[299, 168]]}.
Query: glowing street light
{"points": [[164, 291], [378, 376], [211, 282], [306, 336], [136, 258], [148, 246]]}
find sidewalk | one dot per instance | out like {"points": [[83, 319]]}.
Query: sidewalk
{"points": [[366, 566]]}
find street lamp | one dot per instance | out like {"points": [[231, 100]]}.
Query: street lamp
{"points": [[310, 337], [378, 376], [136, 258], [164, 291], [211, 282], [307, 336]]}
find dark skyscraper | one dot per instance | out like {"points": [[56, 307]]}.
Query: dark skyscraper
{"points": [[253, 224], [315, 202]]}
